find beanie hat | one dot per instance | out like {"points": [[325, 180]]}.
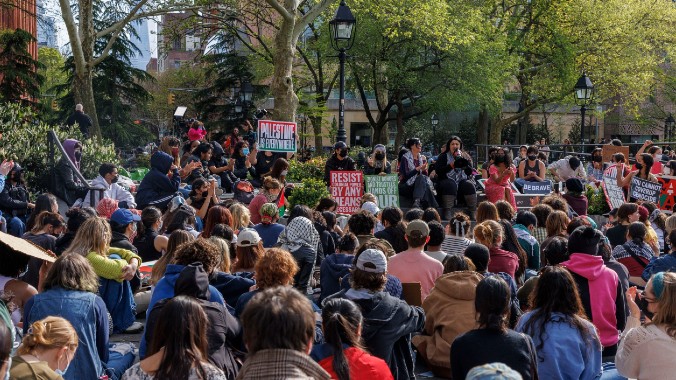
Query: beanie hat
{"points": [[584, 239], [268, 212]]}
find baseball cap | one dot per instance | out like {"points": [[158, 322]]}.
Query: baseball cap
{"points": [[371, 207], [339, 145], [372, 261], [248, 237], [493, 371], [123, 216], [418, 225]]}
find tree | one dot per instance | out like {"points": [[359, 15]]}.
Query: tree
{"points": [[52, 70], [78, 17], [21, 80]]}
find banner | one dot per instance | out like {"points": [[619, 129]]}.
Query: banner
{"points": [[276, 136], [385, 188], [614, 194], [346, 189], [645, 190], [668, 195], [544, 187]]}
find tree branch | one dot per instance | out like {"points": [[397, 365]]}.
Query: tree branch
{"points": [[312, 14], [281, 10]]}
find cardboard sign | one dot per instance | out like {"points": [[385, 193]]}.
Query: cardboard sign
{"points": [[645, 190], [668, 195], [614, 194], [385, 188], [12, 244], [346, 189], [609, 150], [276, 136], [544, 187]]}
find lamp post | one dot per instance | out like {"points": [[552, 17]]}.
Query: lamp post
{"points": [[342, 32], [302, 121], [584, 90], [435, 121], [669, 123]]}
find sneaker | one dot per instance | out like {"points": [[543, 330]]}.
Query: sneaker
{"points": [[135, 328]]}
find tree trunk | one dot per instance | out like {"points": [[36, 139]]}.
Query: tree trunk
{"points": [[281, 87], [482, 132], [84, 94], [317, 128], [400, 122]]}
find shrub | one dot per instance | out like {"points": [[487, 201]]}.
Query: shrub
{"points": [[597, 201], [24, 140], [309, 193], [310, 169]]}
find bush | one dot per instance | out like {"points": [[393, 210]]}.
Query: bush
{"points": [[309, 193], [597, 201], [24, 140], [310, 169]]}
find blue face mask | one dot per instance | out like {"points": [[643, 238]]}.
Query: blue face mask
{"points": [[60, 372], [245, 151]]}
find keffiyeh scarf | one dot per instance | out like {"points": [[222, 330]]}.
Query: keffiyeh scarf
{"points": [[301, 232]]}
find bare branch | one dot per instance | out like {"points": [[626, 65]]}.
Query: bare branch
{"points": [[312, 14], [281, 10]]}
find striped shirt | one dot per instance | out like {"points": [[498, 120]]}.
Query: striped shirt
{"points": [[455, 244]]}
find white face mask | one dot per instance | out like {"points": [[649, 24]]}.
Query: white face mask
{"points": [[284, 172], [658, 157], [666, 170]]}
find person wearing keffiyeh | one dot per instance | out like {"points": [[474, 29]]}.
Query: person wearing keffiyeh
{"points": [[302, 240], [635, 254]]}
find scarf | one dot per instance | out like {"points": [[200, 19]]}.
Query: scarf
{"points": [[299, 233], [643, 251], [408, 157], [281, 364]]}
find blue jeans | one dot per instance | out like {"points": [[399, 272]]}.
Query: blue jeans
{"points": [[119, 300], [199, 224], [118, 363], [16, 225], [610, 372]]}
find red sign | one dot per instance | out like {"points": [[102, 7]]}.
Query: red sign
{"points": [[668, 195], [347, 188]]}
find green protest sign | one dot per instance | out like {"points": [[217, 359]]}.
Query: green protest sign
{"points": [[385, 188]]}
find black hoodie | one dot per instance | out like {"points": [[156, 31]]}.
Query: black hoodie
{"points": [[156, 188], [388, 325], [223, 331]]}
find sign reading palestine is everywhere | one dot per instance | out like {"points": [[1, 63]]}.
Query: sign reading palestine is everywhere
{"points": [[347, 188], [276, 136], [385, 188]]}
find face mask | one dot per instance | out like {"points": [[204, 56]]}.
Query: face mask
{"points": [[245, 151], [78, 155], [532, 157], [597, 159], [284, 172], [500, 159], [379, 156], [343, 153], [115, 179], [658, 157], [643, 305], [174, 151], [639, 166], [62, 372], [205, 194]]}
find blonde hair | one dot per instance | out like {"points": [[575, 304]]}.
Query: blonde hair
{"points": [[176, 239], [241, 217], [557, 223], [489, 233], [72, 271], [666, 305], [368, 197], [670, 224], [51, 332], [270, 183], [224, 249], [93, 236]]}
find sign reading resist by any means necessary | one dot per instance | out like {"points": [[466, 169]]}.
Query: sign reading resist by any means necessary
{"points": [[385, 188], [645, 190], [614, 193], [346, 189], [276, 136]]}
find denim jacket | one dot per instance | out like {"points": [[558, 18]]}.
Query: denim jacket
{"points": [[83, 311]]}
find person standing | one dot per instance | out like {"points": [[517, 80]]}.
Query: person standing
{"points": [[81, 119]]}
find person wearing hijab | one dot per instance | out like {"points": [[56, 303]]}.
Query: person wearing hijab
{"points": [[302, 240]]}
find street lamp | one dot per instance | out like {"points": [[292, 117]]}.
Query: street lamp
{"points": [[342, 32], [584, 90], [435, 121], [302, 119], [669, 127]]}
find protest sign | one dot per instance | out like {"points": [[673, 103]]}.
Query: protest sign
{"points": [[645, 190], [614, 194], [276, 136], [668, 194], [609, 150], [347, 189], [544, 187], [385, 188]]}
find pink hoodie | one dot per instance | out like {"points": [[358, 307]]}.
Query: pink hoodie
{"points": [[602, 283]]}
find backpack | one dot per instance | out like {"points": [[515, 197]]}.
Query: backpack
{"points": [[243, 192]]}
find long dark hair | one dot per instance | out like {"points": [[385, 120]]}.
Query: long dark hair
{"points": [[44, 202], [492, 303], [149, 216], [556, 292], [181, 330], [340, 321], [510, 242], [648, 162], [278, 167]]}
